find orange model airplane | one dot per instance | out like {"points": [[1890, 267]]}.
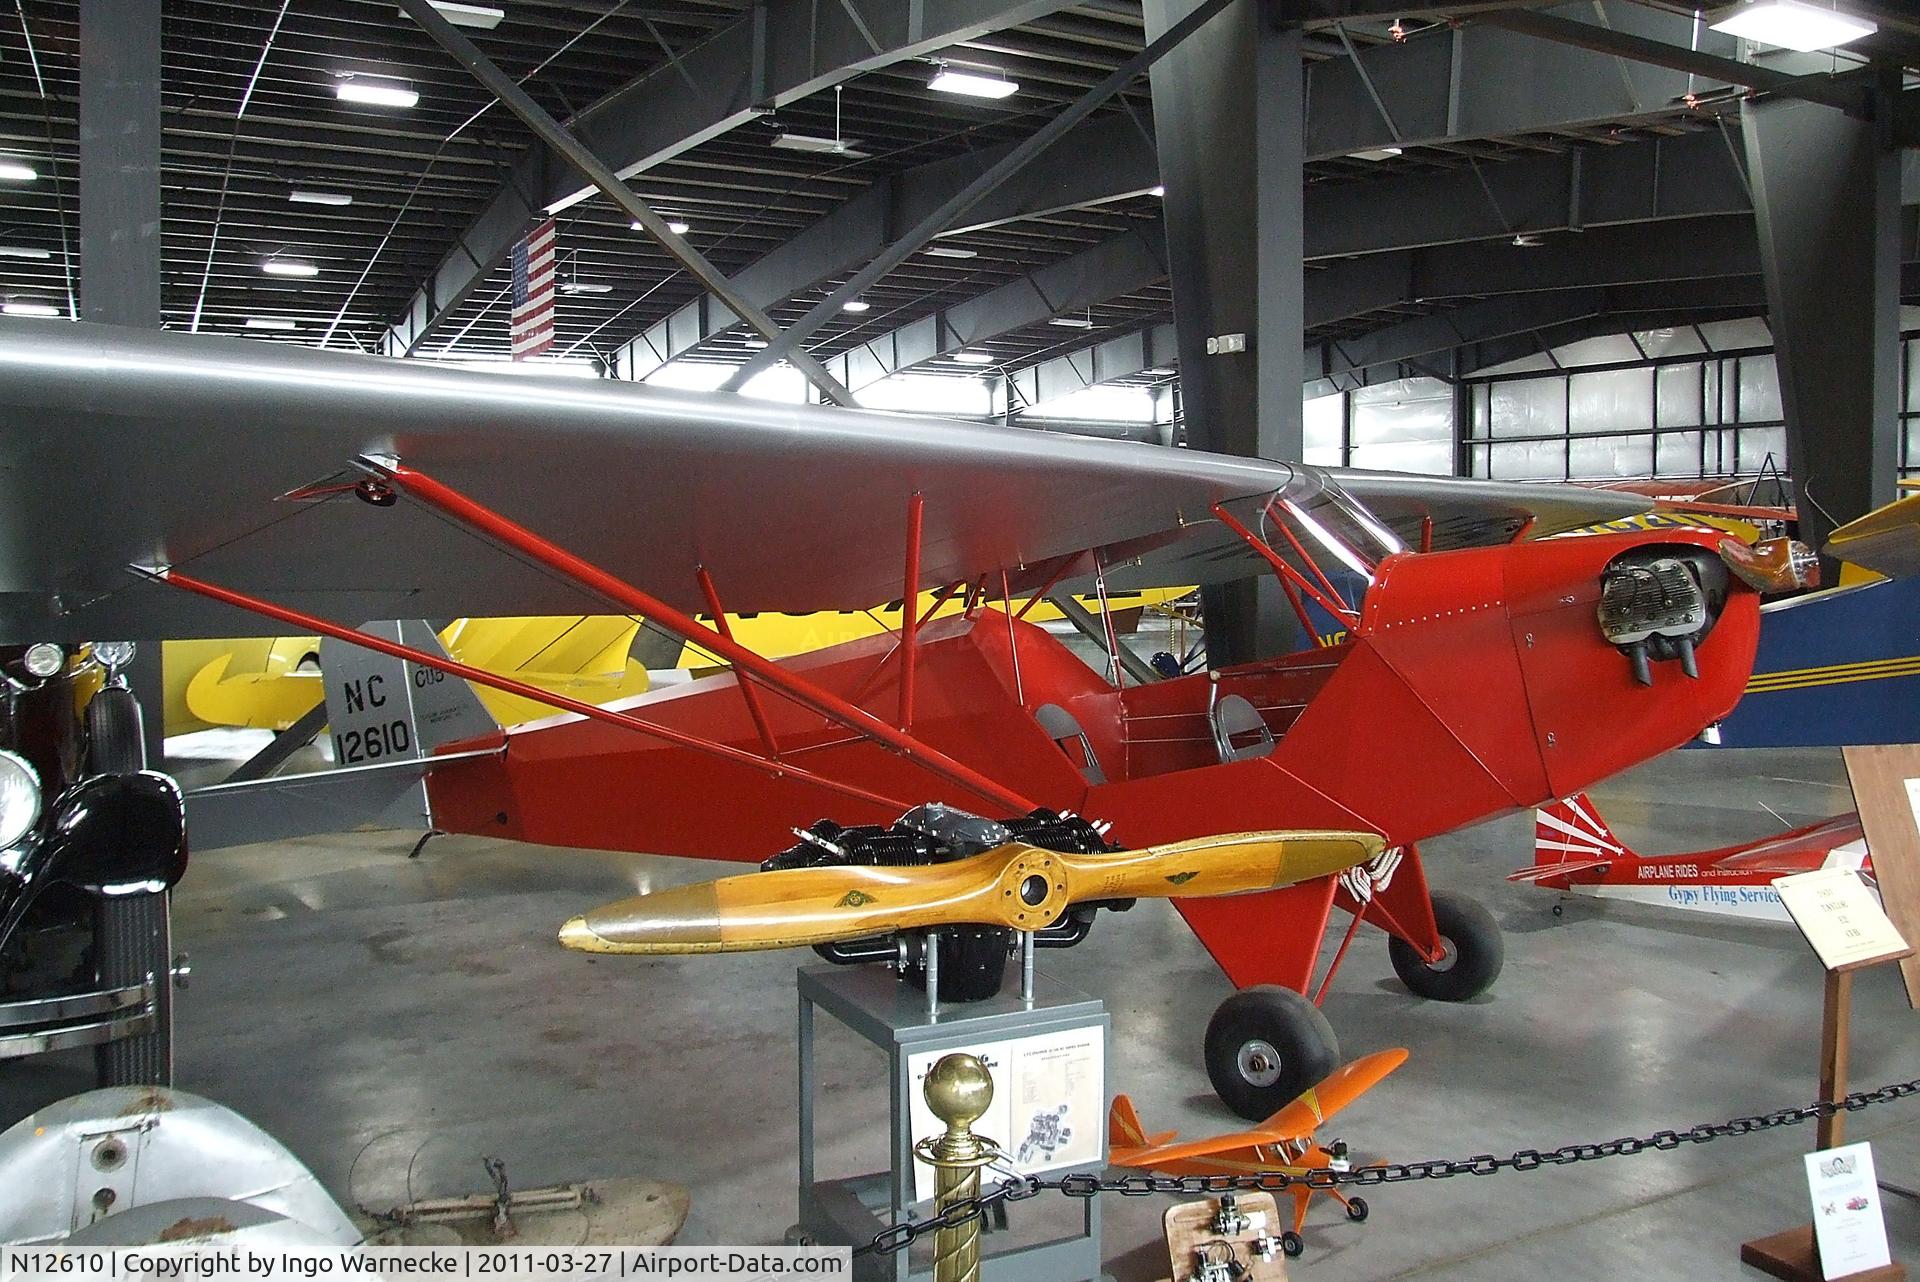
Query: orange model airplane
{"points": [[1283, 1144]]}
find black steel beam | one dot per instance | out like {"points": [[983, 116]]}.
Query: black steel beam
{"points": [[778, 52], [1029, 149], [1154, 347], [1827, 206], [120, 162], [577, 154]]}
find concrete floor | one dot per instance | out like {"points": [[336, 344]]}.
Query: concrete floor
{"points": [[393, 1020]]}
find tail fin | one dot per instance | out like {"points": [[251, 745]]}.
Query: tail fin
{"points": [[381, 708], [387, 718], [1572, 831], [1123, 1125], [1570, 836]]}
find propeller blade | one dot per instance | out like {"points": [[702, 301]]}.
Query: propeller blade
{"points": [[1017, 886]]}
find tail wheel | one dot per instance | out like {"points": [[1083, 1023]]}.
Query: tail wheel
{"points": [[1265, 1046], [1357, 1209], [132, 934], [1471, 952], [1293, 1244]]}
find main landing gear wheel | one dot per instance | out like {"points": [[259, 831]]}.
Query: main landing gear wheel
{"points": [[1471, 952], [1265, 1046]]}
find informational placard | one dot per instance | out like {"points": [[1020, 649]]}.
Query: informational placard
{"points": [[1840, 917], [1049, 1100], [1847, 1226]]}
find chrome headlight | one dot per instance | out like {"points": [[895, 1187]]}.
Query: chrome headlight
{"points": [[19, 798], [44, 660], [113, 655]]}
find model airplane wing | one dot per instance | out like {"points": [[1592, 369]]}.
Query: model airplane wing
{"points": [[1016, 886], [126, 446]]}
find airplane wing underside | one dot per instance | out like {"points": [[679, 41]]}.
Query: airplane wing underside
{"points": [[125, 446]]}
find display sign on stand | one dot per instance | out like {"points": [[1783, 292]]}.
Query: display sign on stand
{"points": [[1847, 929]]}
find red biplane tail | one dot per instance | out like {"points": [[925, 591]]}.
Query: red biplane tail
{"points": [[1570, 836]]}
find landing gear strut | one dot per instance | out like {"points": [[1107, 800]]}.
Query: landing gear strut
{"points": [[1265, 1045]]}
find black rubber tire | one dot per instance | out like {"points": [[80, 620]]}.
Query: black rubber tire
{"points": [[1475, 952], [132, 934], [1291, 1027], [1293, 1245], [116, 734], [1357, 1209]]}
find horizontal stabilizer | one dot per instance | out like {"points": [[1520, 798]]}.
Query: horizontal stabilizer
{"points": [[1540, 872]]}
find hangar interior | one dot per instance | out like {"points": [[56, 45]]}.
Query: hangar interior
{"points": [[1491, 241]]}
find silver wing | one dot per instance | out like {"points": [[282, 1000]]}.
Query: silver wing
{"points": [[123, 446]]}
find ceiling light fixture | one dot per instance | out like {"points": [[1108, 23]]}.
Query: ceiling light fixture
{"points": [[375, 93], [481, 17], [1525, 240], [271, 322], [950, 251], [15, 172], [1378, 153], [1156, 190], [30, 309], [24, 251], [1793, 24], [299, 197], [983, 83], [289, 267], [973, 358], [1071, 322], [584, 287], [678, 226], [856, 305]]}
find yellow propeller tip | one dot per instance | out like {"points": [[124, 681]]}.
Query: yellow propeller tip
{"points": [[580, 937]]}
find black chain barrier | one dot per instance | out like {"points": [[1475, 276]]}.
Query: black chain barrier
{"points": [[1020, 1188]]}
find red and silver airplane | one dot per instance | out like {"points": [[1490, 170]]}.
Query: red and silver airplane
{"points": [[1485, 667], [1576, 852]]}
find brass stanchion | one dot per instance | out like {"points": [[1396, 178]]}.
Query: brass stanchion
{"points": [[958, 1090]]}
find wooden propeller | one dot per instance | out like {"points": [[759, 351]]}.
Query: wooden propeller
{"points": [[1017, 886]]}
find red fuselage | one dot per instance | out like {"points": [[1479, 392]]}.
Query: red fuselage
{"points": [[1475, 683]]}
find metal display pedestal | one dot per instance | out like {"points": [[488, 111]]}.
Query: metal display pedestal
{"points": [[894, 1017]]}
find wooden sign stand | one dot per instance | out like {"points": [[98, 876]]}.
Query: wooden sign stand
{"points": [[1792, 1255]]}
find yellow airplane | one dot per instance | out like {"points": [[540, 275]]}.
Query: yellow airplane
{"points": [[271, 682]]}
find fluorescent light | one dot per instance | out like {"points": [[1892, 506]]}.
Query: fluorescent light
{"points": [[848, 147], [584, 287], [15, 172], [289, 267], [319, 197], [678, 227], [1794, 24], [973, 358], [856, 305], [753, 344], [24, 251], [972, 84], [481, 17], [1071, 322], [950, 251], [376, 93], [271, 322], [30, 309], [1156, 190], [1525, 240], [1378, 153]]}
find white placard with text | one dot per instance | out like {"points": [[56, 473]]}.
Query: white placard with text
{"points": [[1840, 917], [1847, 1226]]}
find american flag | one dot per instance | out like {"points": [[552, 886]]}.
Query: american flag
{"points": [[533, 293]]}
